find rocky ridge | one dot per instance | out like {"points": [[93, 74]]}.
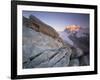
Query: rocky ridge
{"points": [[40, 49]]}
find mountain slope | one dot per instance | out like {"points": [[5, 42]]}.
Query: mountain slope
{"points": [[40, 49], [78, 38]]}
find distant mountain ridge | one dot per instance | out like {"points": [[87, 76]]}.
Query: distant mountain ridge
{"points": [[76, 36], [76, 30]]}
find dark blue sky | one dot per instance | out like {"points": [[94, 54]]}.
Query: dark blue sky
{"points": [[60, 20]]}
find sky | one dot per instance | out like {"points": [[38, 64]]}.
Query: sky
{"points": [[59, 20]]}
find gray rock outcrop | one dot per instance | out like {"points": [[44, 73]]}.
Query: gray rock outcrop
{"points": [[40, 49]]}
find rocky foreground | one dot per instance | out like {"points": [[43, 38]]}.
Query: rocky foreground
{"points": [[42, 47]]}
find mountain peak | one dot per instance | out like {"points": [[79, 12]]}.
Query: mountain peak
{"points": [[72, 28]]}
